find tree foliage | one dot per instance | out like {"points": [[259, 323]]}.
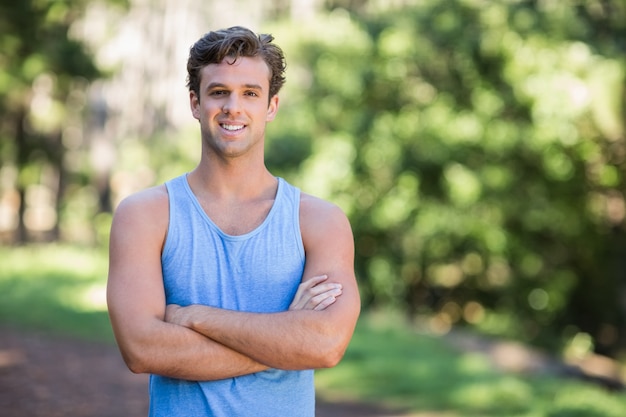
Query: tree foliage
{"points": [[479, 150], [43, 73]]}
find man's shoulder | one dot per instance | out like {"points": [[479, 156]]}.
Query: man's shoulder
{"points": [[315, 212], [143, 215], [314, 203], [148, 201]]}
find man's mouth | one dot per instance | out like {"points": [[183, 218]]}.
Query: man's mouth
{"points": [[232, 128]]}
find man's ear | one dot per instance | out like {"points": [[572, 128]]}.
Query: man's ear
{"points": [[272, 109], [194, 104]]}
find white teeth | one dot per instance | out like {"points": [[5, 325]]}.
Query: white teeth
{"points": [[232, 127]]}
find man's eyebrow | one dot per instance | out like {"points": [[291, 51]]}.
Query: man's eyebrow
{"points": [[215, 85], [221, 85]]}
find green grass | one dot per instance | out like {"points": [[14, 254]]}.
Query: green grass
{"points": [[61, 289], [386, 363]]}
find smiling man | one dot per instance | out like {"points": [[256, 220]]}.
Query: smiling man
{"points": [[227, 284]]}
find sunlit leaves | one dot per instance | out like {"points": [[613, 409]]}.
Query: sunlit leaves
{"points": [[606, 81], [330, 68], [397, 206], [463, 186], [328, 168]]}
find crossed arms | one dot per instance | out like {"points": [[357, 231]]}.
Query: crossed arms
{"points": [[205, 343]]}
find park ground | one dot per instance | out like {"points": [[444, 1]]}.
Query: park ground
{"points": [[47, 375], [42, 375]]}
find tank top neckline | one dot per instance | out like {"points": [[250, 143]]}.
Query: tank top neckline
{"points": [[207, 218]]}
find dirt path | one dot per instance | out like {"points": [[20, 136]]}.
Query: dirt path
{"points": [[44, 376]]}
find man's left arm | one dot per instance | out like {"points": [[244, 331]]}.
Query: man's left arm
{"points": [[295, 339]]}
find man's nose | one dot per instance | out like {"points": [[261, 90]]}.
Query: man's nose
{"points": [[232, 104]]}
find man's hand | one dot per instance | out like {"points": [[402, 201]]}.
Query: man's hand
{"points": [[315, 294]]}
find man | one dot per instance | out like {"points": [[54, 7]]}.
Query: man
{"points": [[227, 284]]}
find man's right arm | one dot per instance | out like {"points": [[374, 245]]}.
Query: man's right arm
{"points": [[136, 301]]}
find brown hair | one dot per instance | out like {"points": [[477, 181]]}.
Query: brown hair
{"points": [[235, 42]]}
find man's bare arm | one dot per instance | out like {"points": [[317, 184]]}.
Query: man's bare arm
{"points": [[302, 339]]}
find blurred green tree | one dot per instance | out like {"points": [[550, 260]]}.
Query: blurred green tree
{"points": [[479, 150], [43, 76]]}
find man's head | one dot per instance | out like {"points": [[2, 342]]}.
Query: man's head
{"points": [[233, 43]]}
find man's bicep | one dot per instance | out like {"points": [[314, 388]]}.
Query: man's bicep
{"points": [[329, 249], [135, 287], [328, 240]]}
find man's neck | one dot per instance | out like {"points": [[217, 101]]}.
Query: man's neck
{"points": [[231, 181]]}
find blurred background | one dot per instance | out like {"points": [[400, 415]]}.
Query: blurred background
{"points": [[478, 148]]}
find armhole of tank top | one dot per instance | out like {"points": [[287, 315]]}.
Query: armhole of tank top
{"points": [[298, 231], [168, 229]]}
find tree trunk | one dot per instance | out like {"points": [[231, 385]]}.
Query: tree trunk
{"points": [[21, 158]]}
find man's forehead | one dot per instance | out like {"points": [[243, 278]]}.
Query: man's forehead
{"points": [[243, 70]]}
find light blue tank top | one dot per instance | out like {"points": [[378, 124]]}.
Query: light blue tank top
{"points": [[256, 272]]}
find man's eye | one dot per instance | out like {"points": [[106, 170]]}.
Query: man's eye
{"points": [[252, 94], [218, 93]]}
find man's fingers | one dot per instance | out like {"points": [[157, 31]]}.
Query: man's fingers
{"points": [[300, 300], [323, 288], [323, 300], [325, 303], [332, 292], [314, 294], [312, 282]]}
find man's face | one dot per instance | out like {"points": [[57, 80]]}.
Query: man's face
{"points": [[232, 106]]}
